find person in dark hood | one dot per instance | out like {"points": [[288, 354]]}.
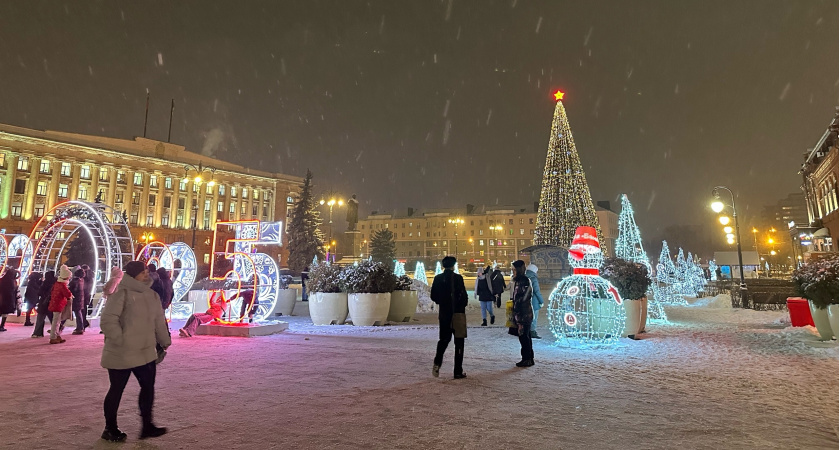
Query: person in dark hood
{"points": [[523, 312], [449, 292], [33, 286], [156, 286], [90, 286], [44, 304], [167, 292], [497, 280], [9, 295], [77, 289]]}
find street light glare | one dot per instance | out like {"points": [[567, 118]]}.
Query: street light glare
{"points": [[770, 240], [727, 230], [717, 206], [322, 201], [724, 220], [730, 236], [773, 252]]}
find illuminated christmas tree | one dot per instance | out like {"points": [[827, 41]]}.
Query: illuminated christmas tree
{"points": [[438, 268], [399, 269], [668, 288], [420, 272], [682, 271], [713, 269], [629, 243], [565, 202]]}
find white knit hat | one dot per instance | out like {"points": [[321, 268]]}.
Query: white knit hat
{"points": [[532, 268], [64, 273]]}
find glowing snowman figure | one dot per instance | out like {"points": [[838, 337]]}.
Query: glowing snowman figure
{"points": [[585, 307]]}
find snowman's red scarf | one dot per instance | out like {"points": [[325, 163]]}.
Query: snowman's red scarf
{"points": [[585, 271]]}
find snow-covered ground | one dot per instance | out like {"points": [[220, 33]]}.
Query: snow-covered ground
{"points": [[711, 378]]}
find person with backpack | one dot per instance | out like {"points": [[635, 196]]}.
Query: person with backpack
{"points": [[449, 292], [484, 294], [523, 312]]}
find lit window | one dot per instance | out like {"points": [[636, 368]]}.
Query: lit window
{"points": [[62, 190], [481, 232], [207, 205], [521, 231], [83, 193], [164, 221], [138, 179], [152, 200], [85, 173], [167, 183], [481, 242], [39, 210], [220, 207], [103, 174], [153, 181], [222, 190], [232, 208], [289, 199], [120, 176], [42, 188], [2, 159], [45, 166], [23, 164], [65, 169], [233, 191], [183, 185], [209, 189], [16, 210], [245, 193], [256, 194]]}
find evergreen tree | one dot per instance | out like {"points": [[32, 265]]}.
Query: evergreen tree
{"points": [[565, 201], [438, 268], [383, 248], [399, 269], [420, 272], [665, 270], [682, 270], [629, 243], [80, 251], [305, 238]]}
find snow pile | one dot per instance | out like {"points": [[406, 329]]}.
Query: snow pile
{"points": [[722, 301], [424, 303]]}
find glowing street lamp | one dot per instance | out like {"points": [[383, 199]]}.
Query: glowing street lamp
{"points": [[198, 170], [727, 230], [331, 201], [724, 220], [456, 221], [717, 206]]}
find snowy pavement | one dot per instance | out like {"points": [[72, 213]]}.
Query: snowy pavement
{"points": [[712, 378]]}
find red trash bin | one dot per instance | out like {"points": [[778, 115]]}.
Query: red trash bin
{"points": [[800, 312]]}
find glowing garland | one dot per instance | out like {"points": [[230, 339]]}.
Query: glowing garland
{"points": [[438, 269], [183, 277], [399, 268], [629, 246], [565, 201], [713, 270], [20, 244], [667, 285]]}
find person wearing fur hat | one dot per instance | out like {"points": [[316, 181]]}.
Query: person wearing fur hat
{"points": [[536, 298], [60, 304], [33, 286], [134, 325], [9, 295], [77, 289]]}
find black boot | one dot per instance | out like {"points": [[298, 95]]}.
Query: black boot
{"points": [[113, 435], [492, 320], [534, 335], [3, 324], [483, 322], [151, 431]]}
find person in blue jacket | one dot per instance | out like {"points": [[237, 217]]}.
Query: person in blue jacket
{"points": [[536, 298]]}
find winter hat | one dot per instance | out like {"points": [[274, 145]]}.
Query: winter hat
{"points": [[532, 268], [134, 268], [79, 273], [64, 273], [448, 262], [585, 241]]}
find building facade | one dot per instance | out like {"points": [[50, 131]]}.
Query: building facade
{"points": [[819, 184], [147, 179], [476, 235]]}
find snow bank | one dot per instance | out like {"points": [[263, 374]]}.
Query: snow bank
{"points": [[723, 301]]}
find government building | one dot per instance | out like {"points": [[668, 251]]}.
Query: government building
{"points": [[165, 191]]}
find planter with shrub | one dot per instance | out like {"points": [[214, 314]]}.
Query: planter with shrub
{"points": [[369, 285], [403, 301], [632, 281], [816, 280], [286, 297], [327, 302]]}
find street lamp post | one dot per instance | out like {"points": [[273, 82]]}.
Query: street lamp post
{"points": [[198, 179], [717, 206], [331, 203], [456, 222]]}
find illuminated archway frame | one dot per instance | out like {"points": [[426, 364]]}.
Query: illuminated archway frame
{"points": [[20, 244], [165, 256], [106, 228], [250, 268]]}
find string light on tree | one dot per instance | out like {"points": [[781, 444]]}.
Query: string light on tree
{"points": [[565, 201], [438, 268], [713, 270], [629, 246], [420, 273], [399, 268], [666, 277]]}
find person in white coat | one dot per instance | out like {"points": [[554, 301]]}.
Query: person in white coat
{"points": [[133, 323]]}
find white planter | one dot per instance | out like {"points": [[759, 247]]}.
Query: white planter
{"points": [[632, 324], [834, 319], [403, 306], [327, 308], [285, 302], [821, 321], [369, 309]]}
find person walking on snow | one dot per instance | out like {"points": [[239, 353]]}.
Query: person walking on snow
{"points": [[77, 289], [9, 295], [90, 285], [449, 293], [134, 325], [60, 298], [536, 298], [44, 304], [484, 294], [523, 312], [33, 286], [497, 280]]}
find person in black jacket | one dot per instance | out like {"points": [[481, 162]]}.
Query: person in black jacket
{"points": [[77, 288], [449, 292], [167, 288], [523, 312], [497, 280], [484, 294], [44, 304], [33, 286], [90, 284]]}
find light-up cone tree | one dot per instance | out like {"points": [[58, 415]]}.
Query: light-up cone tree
{"points": [[399, 269], [629, 246], [438, 268], [713, 269], [420, 272], [682, 272], [666, 277], [565, 201]]}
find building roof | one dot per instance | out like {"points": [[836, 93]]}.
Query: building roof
{"points": [[139, 146]]}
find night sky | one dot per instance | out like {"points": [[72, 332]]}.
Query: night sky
{"points": [[442, 103]]}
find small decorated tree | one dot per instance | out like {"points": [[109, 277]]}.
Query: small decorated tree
{"points": [[420, 273], [399, 268]]}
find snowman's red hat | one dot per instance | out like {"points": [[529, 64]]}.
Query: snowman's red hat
{"points": [[585, 241]]}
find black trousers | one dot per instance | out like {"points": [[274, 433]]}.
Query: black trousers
{"points": [[145, 375], [527, 343], [445, 336]]}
